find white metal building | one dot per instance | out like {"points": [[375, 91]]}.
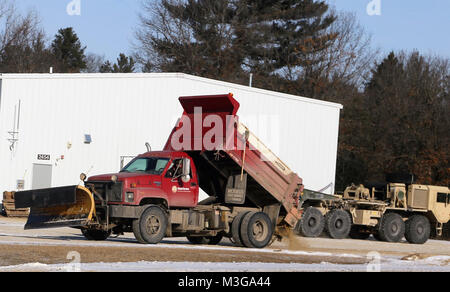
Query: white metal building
{"points": [[55, 126]]}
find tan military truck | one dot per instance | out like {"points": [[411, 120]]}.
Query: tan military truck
{"points": [[416, 212]]}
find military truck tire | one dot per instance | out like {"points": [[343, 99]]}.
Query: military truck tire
{"points": [[236, 229], [392, 228], [153, 224], [256, 230], [417, 229], [357, 233], [94, 234], [338, 224], [312, 223]]}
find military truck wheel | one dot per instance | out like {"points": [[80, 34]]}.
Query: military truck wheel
{"points": [[153, 225], [338, 224], [256, 230], [417, 229], [358, 233], [94, 234], [392, 228], [312, 223], [236, 229]]}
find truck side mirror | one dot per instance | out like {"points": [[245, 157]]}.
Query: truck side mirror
{"points": [[186, 177]]}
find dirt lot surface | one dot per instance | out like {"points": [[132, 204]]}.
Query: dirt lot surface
{"points": [[51, 246]]}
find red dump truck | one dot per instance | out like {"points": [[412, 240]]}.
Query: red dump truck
{"points": [[253, 195]]}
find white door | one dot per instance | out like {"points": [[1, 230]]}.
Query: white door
{"points": [[42, 176]]}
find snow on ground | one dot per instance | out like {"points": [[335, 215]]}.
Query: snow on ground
{"points": [[432, 264]]}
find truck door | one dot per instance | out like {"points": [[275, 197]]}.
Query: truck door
{"points": [[180, 194], [442, 206]]}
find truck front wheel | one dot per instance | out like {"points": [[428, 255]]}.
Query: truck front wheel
{"points": [[256, 230], [312, 223], [417, 229], [152, 225], [338, 224], [392, 228]]}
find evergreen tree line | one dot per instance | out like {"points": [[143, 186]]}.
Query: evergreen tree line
{"points": [[396, 116]]}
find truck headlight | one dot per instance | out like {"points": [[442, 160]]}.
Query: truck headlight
{"points": [[129, 197]]}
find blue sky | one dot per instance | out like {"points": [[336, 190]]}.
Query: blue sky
{"points": [[106, 26]]}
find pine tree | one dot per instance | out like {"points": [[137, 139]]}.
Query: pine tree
{"points": [[124, 64], [225, 39], [67, 49]]}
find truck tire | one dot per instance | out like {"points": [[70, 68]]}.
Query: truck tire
{"points": [[338, 224], [153, 225], [236, 229], [417, 229], [256, 230], [137, 231], [357, 232], [94, 234], [312, 223], [392, 228]]}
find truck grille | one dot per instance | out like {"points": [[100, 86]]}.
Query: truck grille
{"points": [[108, 191]]}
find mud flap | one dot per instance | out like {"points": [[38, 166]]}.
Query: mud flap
{"points": [[71, 206]]}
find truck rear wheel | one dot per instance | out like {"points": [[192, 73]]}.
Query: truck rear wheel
{"points": [[417, 229], [256, 230], [392, 228], [95, 234], [338, 224], [236, 229], [312, 223], [152, 225]]}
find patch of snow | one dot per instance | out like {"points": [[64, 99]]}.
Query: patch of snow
{"points": [[144, 266]]}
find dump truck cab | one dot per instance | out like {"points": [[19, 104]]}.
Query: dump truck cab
{"points": [[161, 177]]}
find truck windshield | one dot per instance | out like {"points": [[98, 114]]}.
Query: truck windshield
{"points": [[151, 165]]}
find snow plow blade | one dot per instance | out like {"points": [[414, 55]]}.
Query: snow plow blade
{"points": [[71, 206]]}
